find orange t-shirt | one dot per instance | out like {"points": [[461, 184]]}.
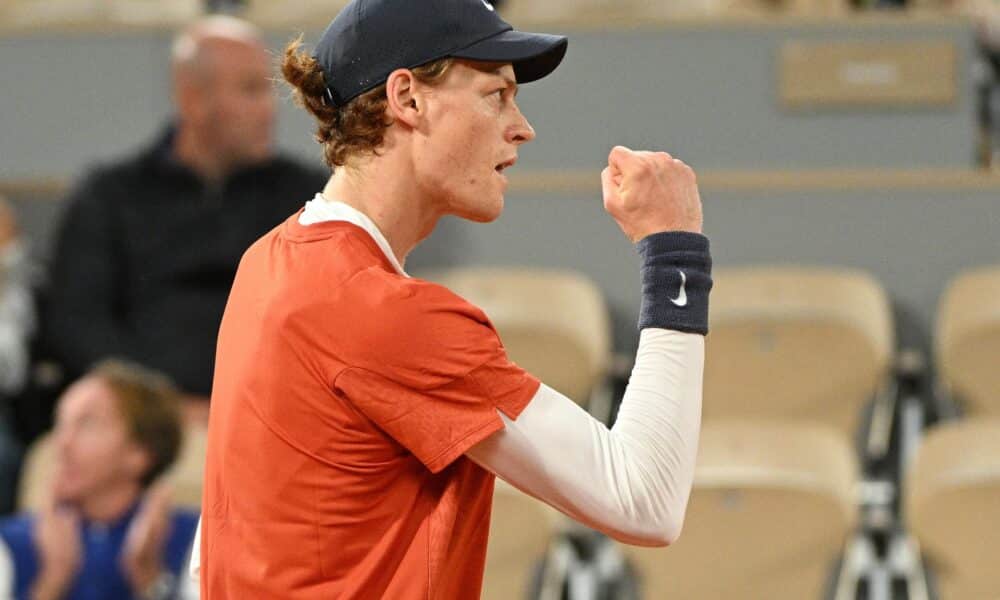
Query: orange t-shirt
{"points": [[345, 396]]}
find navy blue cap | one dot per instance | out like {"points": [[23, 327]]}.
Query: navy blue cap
{"points": [[370, 39]]}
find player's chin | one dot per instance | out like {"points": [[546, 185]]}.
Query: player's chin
{"points": [[483, 209], [492, 212]]}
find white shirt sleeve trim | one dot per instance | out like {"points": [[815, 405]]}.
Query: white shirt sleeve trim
{"points": [[631, 482], [194, 565]]}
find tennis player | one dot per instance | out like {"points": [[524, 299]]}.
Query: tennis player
{"points": [[358, 415]]}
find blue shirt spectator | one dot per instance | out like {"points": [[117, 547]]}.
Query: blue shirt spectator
{"points": [[100, 576], [105, 527]]}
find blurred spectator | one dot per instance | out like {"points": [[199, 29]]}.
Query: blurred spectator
{"points": [[107, 531], [17, 323], [149, 246]]}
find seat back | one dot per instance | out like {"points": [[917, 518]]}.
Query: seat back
{"points": [[296, 14], [554, 324], [36, 473], [99, 13], [604, 12], [521, 529], [796, 344], [770, 511], [968, 340], [952, 506], [186, 475]]}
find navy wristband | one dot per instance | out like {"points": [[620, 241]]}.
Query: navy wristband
{"points": [[676, 280]]}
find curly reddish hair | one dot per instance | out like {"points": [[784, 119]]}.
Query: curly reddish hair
{"points": [[356, 128]]}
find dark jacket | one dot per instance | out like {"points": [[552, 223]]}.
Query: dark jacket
{"points": [[147, 253]]}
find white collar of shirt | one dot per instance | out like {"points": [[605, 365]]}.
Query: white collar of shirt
{"points": [[320, 210]]}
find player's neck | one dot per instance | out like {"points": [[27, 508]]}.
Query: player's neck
{"points": [[390, 201]]}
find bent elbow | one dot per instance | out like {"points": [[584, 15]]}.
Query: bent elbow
{"points": [[672, 532], [652, 534]]}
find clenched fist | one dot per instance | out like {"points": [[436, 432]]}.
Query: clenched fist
{"points": [[650, 192]]}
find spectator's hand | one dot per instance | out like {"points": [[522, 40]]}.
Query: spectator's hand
{"points": [[142, 554], [650, 192], [59, 551]]}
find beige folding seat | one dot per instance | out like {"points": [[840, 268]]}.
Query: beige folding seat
{"points": [[771, 510], [796, 344], [553, 323], [41, 13], [968, 340], [521, 530], [293, 14], [953, 484], [90, 13], [952, 507], [569, 13], [36, 473], [185, 475], [155, 13], [604, 12]]}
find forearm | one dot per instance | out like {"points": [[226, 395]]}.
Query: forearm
{"points": [[632, 482]]}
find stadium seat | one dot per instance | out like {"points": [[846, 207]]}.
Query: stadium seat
{"points": [[952, 499], [952, 507], [36, 472], [294, 14], [796, 344], [154, 12], [772, 507], [30, 13], [968, 341], [185, 475], [604, 11], [553, 323], [521, 531], [99, 12]]}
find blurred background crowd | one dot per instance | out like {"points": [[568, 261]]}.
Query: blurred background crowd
{"points": [[849, 159]]}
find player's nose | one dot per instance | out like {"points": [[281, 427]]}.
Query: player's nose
{"points": [[521, 131]]}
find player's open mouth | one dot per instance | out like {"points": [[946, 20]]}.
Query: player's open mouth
{"points": [[504, 165]]}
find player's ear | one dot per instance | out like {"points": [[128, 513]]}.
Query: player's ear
{"points": [[400, 91]]}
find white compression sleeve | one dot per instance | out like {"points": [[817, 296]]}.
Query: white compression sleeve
{"points": [[631, 482]]}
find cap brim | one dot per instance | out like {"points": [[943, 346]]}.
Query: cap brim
{"points": [[533, 55]]}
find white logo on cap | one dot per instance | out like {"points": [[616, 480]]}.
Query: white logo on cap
{"points": [[488, 5]]}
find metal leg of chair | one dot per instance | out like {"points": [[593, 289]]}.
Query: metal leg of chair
{"points": [[559, 562], [859, 559], [904, 560], [883, 413], [912, 427]]}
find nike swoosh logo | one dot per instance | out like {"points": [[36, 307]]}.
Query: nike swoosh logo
{"points": [[681, 299], [488, 5]]}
